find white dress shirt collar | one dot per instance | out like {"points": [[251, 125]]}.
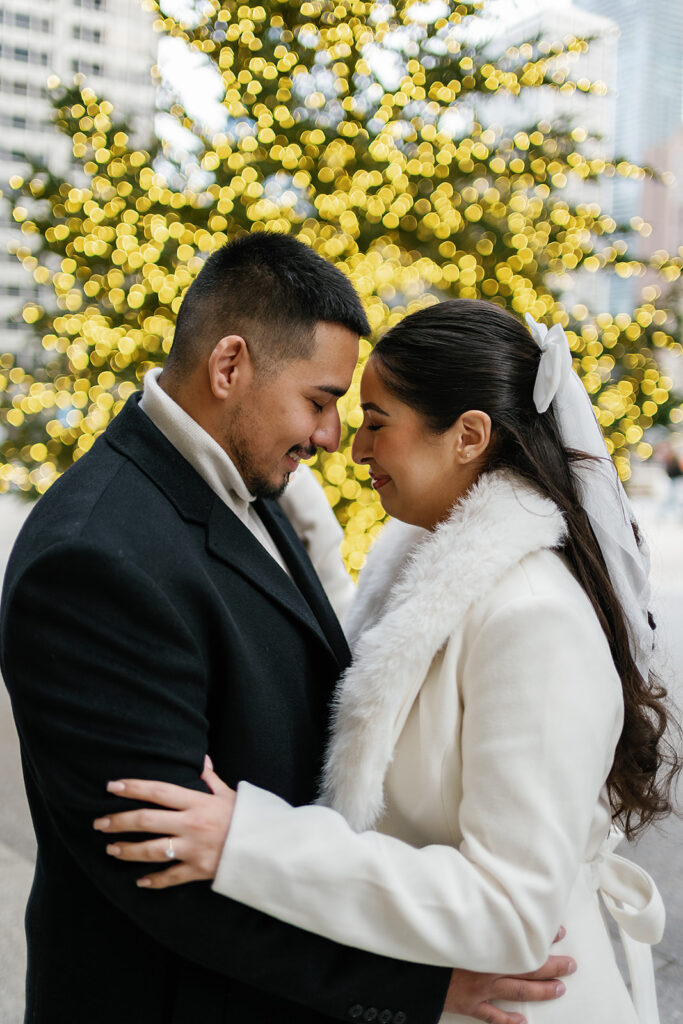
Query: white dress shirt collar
{"points": [[210, 460]]}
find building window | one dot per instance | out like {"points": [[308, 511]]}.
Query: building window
{"points": [[84, 67], [13, 154], [34, 124], [22, 55], [22, 20], [23, 88], [93, 5], [87, 34]]}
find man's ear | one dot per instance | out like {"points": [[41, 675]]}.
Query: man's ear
{"points": [[230, 366]]}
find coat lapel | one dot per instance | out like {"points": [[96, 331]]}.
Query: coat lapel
{"points": [[134, 435], [411, 611], [231, 542], [305, 576]]}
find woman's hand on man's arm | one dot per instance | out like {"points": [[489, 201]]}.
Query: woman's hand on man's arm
{"points": [[193, 825]]}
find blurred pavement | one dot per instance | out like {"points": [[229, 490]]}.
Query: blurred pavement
{"points": [[660, 851]]}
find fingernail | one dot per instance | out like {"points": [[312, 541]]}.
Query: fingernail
{"points": [[209, 762], [572, 967], [116, 787], [143, 883], [560, 989], [101, 823], [114, 850]]}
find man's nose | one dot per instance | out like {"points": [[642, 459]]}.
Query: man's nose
{"points": [[327, 434]]}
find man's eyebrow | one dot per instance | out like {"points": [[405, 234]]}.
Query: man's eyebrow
{"points": [[330, 389], [373, 408]]}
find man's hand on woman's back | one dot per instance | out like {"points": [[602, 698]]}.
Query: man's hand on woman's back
{"points": [[470, 994]]}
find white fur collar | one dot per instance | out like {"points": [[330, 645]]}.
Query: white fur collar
{"points": [[414, 591]]}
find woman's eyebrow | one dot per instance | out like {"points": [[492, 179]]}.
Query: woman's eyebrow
{"points": [[373, 408]]}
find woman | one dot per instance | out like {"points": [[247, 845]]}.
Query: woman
{"points": [[498, 714]]}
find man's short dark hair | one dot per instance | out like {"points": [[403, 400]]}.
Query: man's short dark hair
{"points": [[271, 290]]}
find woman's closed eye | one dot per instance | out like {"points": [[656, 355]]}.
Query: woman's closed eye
{"points": [[371, 424]]}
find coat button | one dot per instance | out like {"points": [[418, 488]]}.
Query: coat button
{"points": [[370, 1014], [400, 1017], [385, 1017], [356, 1011]]}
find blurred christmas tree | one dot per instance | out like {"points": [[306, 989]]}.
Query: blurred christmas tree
{"points": [[401, 186]]}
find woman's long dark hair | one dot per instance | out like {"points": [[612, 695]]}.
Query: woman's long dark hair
{"points": [[469, 354]]}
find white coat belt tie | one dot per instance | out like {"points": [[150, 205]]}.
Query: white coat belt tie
{"points": [[633, 900]]}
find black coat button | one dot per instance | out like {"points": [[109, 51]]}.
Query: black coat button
{"points": [[400, 1017], [356, 1011], [385, 1017], [370, 1014]]}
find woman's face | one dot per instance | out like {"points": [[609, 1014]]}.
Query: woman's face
{"points": [[419, 475]]}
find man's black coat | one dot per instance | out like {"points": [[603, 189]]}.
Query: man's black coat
{"points": [[142, 627]]}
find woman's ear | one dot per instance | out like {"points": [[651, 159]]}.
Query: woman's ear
{"points": [[229, 366], [472, 435]]}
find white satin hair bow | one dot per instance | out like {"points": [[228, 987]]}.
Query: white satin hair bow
{"points": [[555, 363], [602, 495]]}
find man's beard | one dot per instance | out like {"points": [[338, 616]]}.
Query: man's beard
{"points": [[237, 444]]}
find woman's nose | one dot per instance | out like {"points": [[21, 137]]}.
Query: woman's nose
{"points": [[361, 449]]}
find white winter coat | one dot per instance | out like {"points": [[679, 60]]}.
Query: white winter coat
{"points": [[473, 733]]}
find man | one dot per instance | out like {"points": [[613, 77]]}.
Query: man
{"points": [[158, 605]]}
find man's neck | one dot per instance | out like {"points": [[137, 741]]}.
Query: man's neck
{"points": [[173, 409], [191, 402]]}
